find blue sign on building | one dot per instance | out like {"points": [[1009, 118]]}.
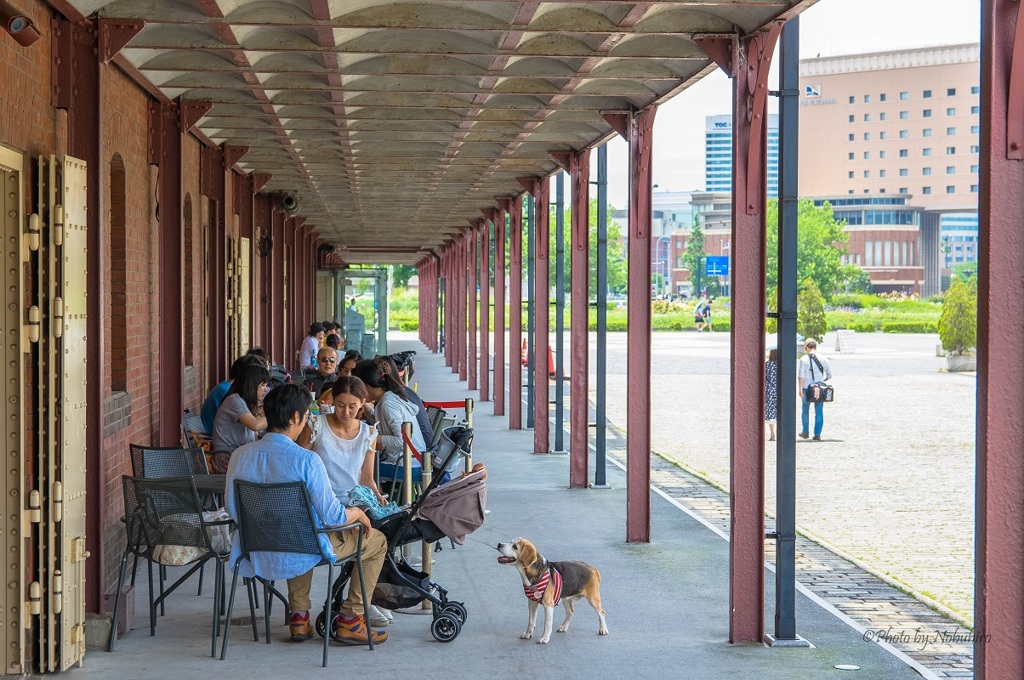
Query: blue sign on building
{"points": [[716, 265]]}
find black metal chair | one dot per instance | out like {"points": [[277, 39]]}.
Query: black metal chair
{"points": [[280, 518], [161, 513]]}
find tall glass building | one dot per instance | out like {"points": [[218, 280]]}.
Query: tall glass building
{"points": [[718, 154]]}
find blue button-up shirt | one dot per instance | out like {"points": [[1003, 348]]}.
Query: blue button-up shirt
{"points": [[271, 460]]}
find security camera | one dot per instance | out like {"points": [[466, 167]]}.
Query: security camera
{"points": [[289, 204], [18, 25]]}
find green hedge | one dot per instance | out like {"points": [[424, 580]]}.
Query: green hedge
{"points": [[862, 327], [909, 327]]}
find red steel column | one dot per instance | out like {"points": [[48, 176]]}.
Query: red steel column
{"points": [[579, 418], [751, 61], [485, 308], [474, 275], [455, 334], [499, 309], [515, 315], [542, 340], [446, 310], [999, 532], [464, 276]]}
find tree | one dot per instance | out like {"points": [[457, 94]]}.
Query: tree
{"points": [[958, 324], [810, 312], [693, 258], [855, 279], [819, 248], [401, 274], [616, 251]]}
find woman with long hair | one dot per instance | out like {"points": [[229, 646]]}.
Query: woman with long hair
{"points": [[391, 409], [240, 415]]}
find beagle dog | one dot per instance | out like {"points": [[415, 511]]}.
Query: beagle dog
{"points": [[545, 583]]}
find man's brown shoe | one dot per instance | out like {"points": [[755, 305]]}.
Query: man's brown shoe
{"points": [[803, 435], [357, 633], [298, 622]]}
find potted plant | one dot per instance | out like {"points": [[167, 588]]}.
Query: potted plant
{"points": [[958, 327]]}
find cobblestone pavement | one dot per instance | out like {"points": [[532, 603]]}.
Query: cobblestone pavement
{"points": [[891, 486]]}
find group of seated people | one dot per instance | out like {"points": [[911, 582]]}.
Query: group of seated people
{"points": [[326, 334], [334, 454]]}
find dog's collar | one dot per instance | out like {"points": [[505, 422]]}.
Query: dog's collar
{"points": [[535, 592]]}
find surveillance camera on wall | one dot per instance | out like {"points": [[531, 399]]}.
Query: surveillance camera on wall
{"points": [[289, 204], [18, 25]]}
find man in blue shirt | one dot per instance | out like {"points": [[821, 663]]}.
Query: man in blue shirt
{"points": [[277, 458]]}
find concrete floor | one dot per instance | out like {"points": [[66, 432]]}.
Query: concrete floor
{"points": [[666, 602]]}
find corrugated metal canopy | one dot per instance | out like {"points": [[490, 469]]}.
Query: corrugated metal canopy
{"points": [[396, 122]]}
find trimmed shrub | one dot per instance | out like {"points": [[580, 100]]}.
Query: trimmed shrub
{"points": [[861, 327], [810, 304], [909, 327], [958, 323], [847, 300], [413, 325]]}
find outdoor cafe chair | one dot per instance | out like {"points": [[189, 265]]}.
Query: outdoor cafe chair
{"points": [[166, 524], [280, 518]]}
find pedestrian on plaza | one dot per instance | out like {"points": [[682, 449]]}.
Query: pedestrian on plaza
{"points": [[698, 314], [811, 370], [707, 315], [771, 391]]}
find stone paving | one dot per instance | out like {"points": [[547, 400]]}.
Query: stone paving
{"points": [[891, 486]]}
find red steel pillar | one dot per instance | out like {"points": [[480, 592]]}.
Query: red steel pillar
{"points": [[638, 130], [541, 297], [515, 314], [485, 307], [499, 308], [473, 271], [999, 532], [579, 417], [465, 272]]}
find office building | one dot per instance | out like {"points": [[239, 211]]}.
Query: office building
{"points": [[718, 154]]}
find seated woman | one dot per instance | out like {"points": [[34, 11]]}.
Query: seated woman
{"points": [[240, 416], [348, 362], [391, 409], [387, 364]]}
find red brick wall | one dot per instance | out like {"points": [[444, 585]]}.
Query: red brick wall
{"points": [[26, 119]]}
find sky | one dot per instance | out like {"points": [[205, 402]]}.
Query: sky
{"points": [[829, 28]]}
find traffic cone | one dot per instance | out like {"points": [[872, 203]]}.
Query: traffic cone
{"points": [[525, 353], [551, 366]]}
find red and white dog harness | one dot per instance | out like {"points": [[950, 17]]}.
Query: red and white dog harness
{"points": [[536, 591]]}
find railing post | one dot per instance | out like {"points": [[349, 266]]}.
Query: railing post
{"points": [[406, 464], [426, 472], [469, 424]]}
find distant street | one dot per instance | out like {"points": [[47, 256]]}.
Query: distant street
{"points": [[892, 484]]}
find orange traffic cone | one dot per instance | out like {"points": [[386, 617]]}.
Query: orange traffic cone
{"points": [[525, 353], [551, 366]]}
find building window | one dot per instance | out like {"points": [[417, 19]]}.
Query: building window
{"points": [[867, 155], [927, 113], [975, 109], [975, 129], [867, 174], [867, 136], [904, 134], [851, 117], [881, 173], [881, 97], [882, 191], [869, 251], [852, 100], [850, 137], [951, 92], [926, 171], [119, 271], [926, 190], [881, 116], [951, 111], [974, 169], [867, 99], [974, 188], [903, 153], [927, 132], [903, 190], [904, 172], [950, 169], [926, 151], [975, 149], [927, 94], [951, 131], [904, 115], [849, 156], [976, 89], [881, 154], [849, 175], [950, 150], [904, 96], [882, 135], [951, 189]]}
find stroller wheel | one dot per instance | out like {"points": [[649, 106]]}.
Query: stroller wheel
{"points": [[445, 627], [457, 610], [320, 629]]}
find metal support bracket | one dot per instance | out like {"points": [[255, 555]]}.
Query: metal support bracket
{"points": [[259, 180], [720, 49], [760, 49], [233, 154], [563, 158], [619, 122], [190, 112], [115, 34]]}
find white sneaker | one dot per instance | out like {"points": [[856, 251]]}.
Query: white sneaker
{"points": [[387, 614], [377, 619]]}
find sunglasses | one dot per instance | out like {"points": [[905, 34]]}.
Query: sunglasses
{"points": [[328, 360]]}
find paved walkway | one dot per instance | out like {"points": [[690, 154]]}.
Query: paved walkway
{"points": [[667, 601]]}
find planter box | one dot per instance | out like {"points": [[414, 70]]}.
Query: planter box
{"points": [[961, 362]]}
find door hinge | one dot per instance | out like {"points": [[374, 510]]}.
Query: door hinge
{"points": [[34, 514], [57, 595], [31, 329], [58, 501], [35, 604], [78, 551], [31, 237]]}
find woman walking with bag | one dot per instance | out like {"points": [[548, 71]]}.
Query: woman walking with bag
{"points": [[812, 370], [771, 391]]}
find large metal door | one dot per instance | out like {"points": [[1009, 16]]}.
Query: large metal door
{"points": [[58, 500], [16, 341], [243, 299]]}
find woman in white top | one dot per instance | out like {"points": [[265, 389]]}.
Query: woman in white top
{"points": [[344, 443]]}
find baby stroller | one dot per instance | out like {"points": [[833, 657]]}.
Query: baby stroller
{"points": [[453, 510]]}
